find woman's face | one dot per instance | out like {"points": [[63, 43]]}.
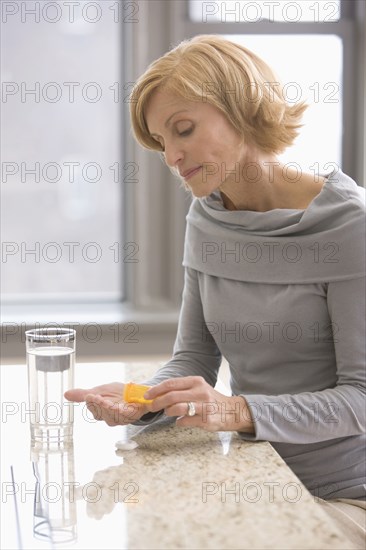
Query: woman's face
{"points": [[195, 135]]}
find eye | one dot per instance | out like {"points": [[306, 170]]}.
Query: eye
{"points": [[186, 132]]}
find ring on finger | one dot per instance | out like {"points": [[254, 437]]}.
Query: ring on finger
{"points": [[191, 409]]}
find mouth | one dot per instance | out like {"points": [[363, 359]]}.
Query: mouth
{"points": [[190, 173]]}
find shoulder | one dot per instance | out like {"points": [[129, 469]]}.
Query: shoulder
{"points": [[343, 185]]}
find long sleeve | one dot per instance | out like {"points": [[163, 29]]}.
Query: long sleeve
{"points": [[272, 285], [336, 412], [195, 352]]}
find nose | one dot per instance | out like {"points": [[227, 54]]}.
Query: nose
{"points": [[173, 155]]}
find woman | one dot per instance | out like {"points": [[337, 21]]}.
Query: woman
{"points": [[274, 274]]}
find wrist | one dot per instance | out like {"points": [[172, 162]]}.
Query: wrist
{"points": [[245, 423]]}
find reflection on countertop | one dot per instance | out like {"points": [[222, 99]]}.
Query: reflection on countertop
{"points": [[187, 488], [54, 506], [178, 488]]}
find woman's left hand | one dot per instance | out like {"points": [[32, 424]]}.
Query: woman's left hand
{"points": [[213, 410]]}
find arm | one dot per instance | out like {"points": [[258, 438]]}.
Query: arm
{"points": [[310, 417], [193, 355]]}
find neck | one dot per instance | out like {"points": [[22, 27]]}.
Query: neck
{"points": [[271, 186]]}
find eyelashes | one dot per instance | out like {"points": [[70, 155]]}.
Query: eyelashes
{"points": [[182, 134], [186, 132]]}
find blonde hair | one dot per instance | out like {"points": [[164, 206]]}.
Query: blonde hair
{"points": [[228, 76]]}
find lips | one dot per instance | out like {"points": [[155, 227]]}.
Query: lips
{"points": [[190, 172]]}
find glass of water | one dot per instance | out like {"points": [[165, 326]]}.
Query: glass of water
{"points": [[50, 360]]}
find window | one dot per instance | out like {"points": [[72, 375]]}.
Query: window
{"points": [[248, 11], [62, 176], [103, 202], [318, 148], [97, 242], [312, 45]]}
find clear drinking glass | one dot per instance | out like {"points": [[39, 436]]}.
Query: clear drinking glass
{"points": [[50, 360]]}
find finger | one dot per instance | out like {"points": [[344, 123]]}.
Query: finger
{"points": [[128, 411], [76, 394], [106, 414], [121, 414], [104, 402], [96, 410], [111, 388], [173, 384], [181, 409], [173, 398]]}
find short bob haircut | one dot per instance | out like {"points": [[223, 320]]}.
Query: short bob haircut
{"points": [[228, 76]]}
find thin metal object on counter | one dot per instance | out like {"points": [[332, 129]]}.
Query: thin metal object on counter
{"points": [[19, 534]]}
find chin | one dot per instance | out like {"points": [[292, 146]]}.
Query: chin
{"points": [[200, 192]]}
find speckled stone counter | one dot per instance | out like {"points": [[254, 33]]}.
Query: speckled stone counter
{"points": [[179, 488]]}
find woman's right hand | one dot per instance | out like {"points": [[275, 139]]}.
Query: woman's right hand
{"points": [[106, 403]]}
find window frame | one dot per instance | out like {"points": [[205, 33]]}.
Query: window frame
{"points": [[350, 28], [153, 286]]}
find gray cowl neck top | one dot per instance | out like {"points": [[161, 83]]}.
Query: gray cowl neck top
{"points": [[325, 242], [281, 295]]}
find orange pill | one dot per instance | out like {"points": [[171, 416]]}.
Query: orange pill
{"points": [[134, 393]]}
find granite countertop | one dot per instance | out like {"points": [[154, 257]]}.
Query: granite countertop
{"points": [[197, 489], [179, 488]]}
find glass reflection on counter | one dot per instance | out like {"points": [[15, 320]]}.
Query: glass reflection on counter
{"points": [[54, 514]]}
